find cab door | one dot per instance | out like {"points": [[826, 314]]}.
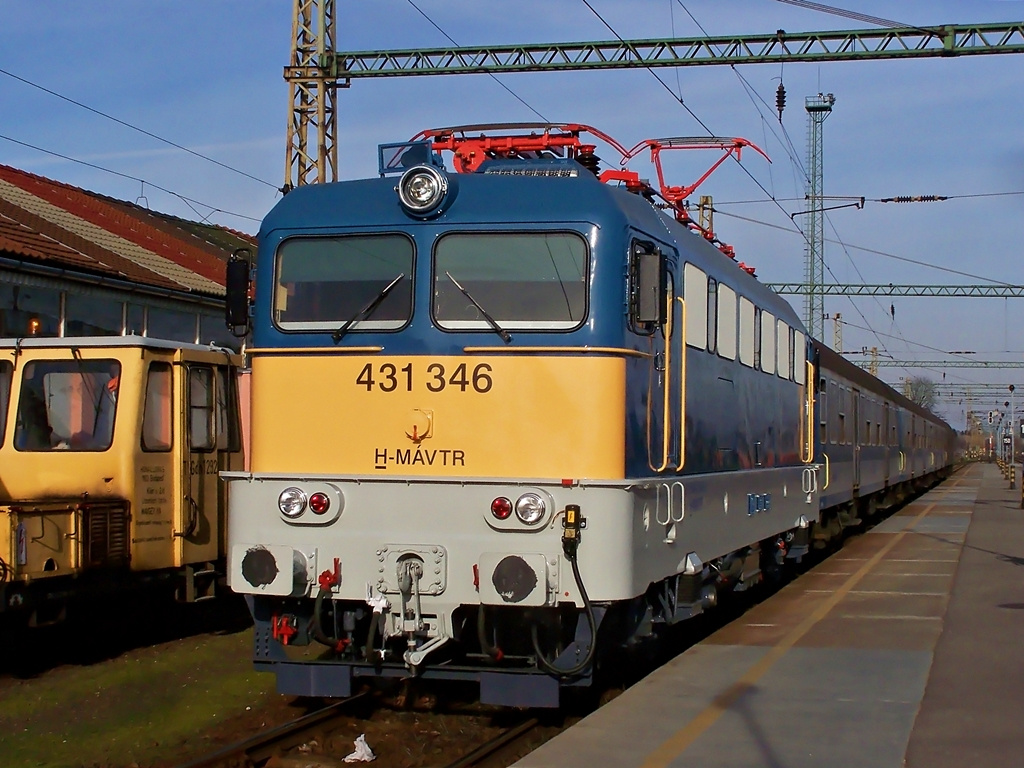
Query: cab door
{"points": [[201, 514], [654, 312]]}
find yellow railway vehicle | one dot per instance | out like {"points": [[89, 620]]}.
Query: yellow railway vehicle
{"points": [[110, 449]]}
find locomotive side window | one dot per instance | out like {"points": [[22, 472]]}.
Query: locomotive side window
{"points": [[157, 426], [768, 342], [67, 405], [695, 292], [526, 281], [784, 361], [799, 351], [6, 374], [712, 315], [726, 322], [747, 334], [201, 436], [324, 283]]}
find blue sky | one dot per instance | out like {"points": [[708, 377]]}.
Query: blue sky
{"points": [[208, 76]]}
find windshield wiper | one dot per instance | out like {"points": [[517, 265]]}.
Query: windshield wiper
{"points": [[505, 335], [366, 311]]}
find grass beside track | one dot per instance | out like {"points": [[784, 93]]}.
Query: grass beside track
{"points": [[132, 709]]}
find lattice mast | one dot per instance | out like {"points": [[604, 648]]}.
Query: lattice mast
{"points": [[818, 109], [311, 97]]}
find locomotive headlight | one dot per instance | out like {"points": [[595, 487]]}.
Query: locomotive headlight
{"points": [[291, 502], [531, 508], [422, 189]]}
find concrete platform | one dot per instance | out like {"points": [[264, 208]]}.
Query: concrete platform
{"points": [[904, 649]]}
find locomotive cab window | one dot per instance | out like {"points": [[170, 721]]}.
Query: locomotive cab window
{"points": [[67, 405], [360, 282], [525, 281]]}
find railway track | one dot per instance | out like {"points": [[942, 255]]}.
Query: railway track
{"points": [[294, 741], [491, 748], [255, 751]]}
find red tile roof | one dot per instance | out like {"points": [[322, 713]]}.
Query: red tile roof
{"points": [[50, 222]]}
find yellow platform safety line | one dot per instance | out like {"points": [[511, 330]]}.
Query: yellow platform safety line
{"points": [[677, 743]]}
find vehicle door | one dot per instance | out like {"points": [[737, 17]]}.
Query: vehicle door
{"points": [[655, 313], [201, 514]]}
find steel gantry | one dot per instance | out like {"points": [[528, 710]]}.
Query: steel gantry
{"points": [[781, 46], [317, 70]]}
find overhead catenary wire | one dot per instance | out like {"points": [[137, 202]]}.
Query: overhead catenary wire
{"points": [[187, 200], [143, 131], [494, 77]]}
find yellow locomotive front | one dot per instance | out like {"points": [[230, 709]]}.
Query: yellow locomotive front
{"points": [[109, 462]]}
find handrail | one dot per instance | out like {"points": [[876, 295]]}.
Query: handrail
{"points": [[666, 432], [682, 383], [808, 446]]}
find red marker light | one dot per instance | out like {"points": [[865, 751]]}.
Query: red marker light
{"points": [[319, 503], [501, 508]]}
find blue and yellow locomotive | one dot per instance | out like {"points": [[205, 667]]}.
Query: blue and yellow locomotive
{"points": [[506, 419]]}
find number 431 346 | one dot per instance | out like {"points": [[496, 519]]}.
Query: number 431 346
{"points": [[388, 377]]}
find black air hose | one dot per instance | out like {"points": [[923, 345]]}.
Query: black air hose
{"points": [[318, 632], [542, 660]]}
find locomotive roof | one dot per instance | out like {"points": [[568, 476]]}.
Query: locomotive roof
{"points": [[484, 198]]}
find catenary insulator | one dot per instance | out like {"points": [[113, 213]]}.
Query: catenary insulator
{"points": [[780, 99]]}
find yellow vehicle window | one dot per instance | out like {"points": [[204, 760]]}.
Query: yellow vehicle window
{"points": [[228, 428], [200, 409], [67, 405], [157, 431], [6, 374]]}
